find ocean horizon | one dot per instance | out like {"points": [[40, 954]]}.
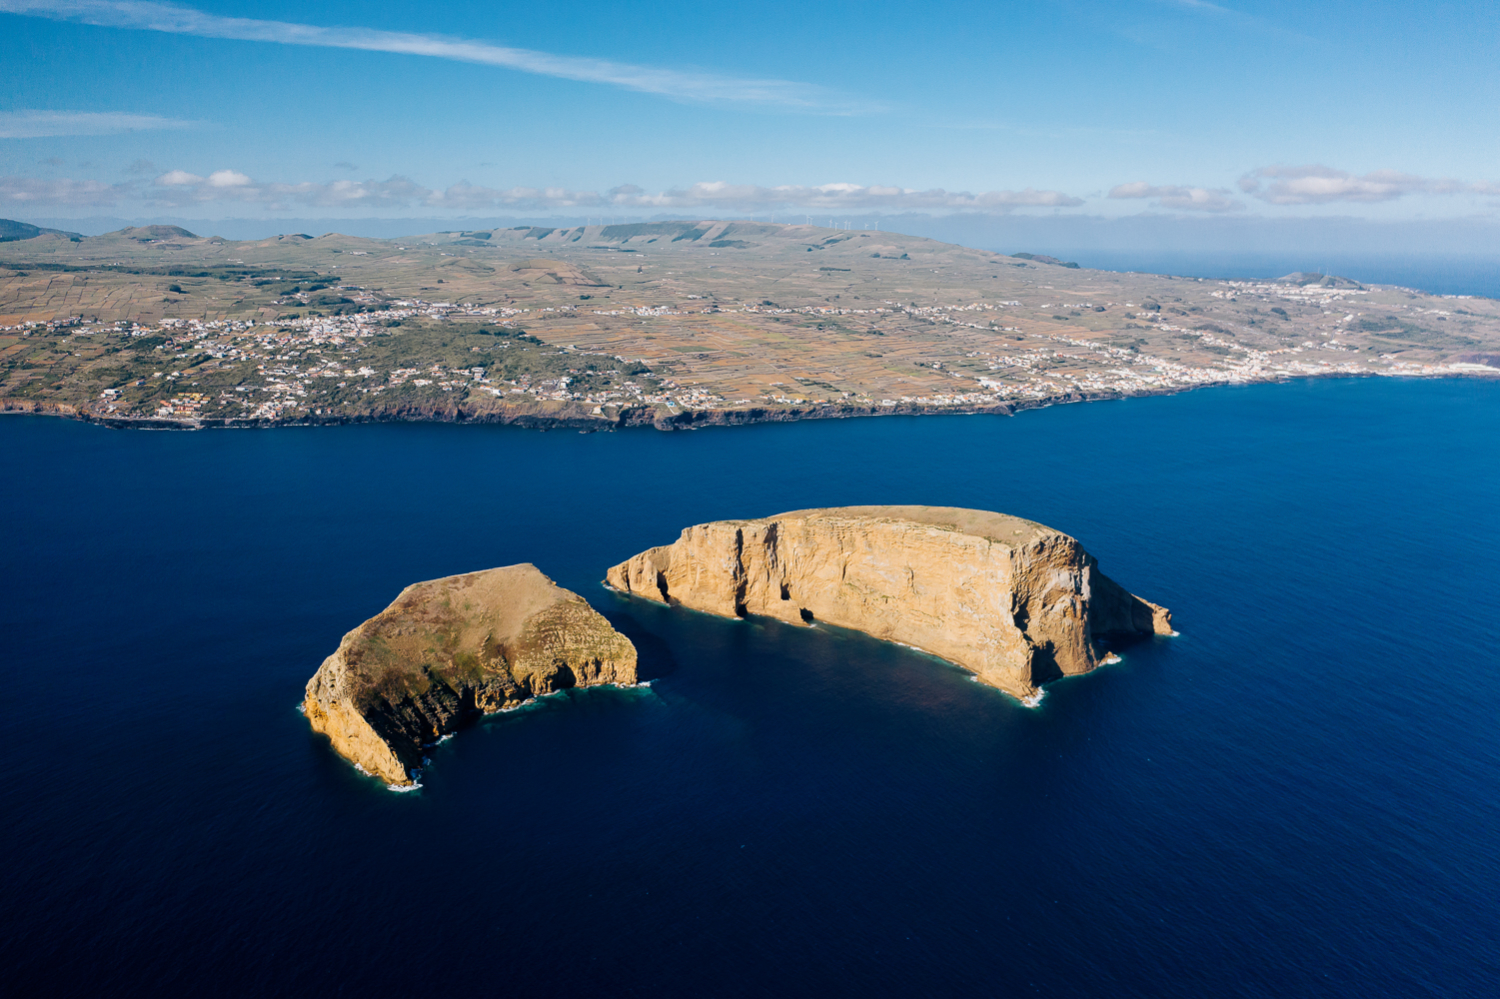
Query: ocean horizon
{"points": [[1470, 274]]}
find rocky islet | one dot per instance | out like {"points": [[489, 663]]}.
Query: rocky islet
{"points": [[1015, 602], [449, 650]]}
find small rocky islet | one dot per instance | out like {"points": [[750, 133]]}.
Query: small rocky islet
{"points": [[1015, 603], [449, 650]]}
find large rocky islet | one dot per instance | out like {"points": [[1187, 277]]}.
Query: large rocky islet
{"points": [[1014, 602]]}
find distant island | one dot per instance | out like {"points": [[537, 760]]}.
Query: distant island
{"points": [[1016, 603], [666, 324]]}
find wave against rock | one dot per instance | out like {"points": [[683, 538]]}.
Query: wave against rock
{"points": [[448, 650], [1015, 602]]}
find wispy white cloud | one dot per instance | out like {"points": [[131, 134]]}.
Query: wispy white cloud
{"points": [[677, 85], [28, 191], [1176, 196], [45, 124], [1205, 7], [181, 188], [1319, 185], [1232, 16]]}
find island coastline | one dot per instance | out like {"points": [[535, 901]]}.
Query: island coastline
{"points": [[639, 417]]}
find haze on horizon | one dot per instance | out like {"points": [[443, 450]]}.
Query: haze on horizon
{"points": [[1259, 110]]}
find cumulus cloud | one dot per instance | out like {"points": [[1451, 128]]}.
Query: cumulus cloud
{"points": [[464, 196], [179, 188], [1176, 196], [228, 178], [1320, 185], [47, 124], [842, 196], [675, 84], [718, 194]]}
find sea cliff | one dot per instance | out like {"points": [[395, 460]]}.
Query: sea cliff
{"points": [[448, 650], [1013, 601]]}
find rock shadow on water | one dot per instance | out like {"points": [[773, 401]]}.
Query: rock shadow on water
{"points": [[1011, 600], [642, 622], [831, 654]]}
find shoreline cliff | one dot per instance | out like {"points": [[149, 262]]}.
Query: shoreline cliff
{"points": [[579, 417], [572, 417]]}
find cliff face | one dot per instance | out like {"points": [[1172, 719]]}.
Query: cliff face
{"points": [[1015, 602], [448, 650]]}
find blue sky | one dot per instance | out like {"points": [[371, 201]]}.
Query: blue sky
{"points": [[1373, 110]]}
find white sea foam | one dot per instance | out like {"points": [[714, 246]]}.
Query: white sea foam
{"points": [[1034, 700], [300, 709], [403, 788], [1175, 634], [1110, 659]]}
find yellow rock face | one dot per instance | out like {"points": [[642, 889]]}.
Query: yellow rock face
{"points": [[1015, 602], [448, 650]]}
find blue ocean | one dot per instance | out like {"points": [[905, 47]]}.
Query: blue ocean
{"points": [[1299, 795]]}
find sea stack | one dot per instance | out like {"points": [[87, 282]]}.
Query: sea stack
{"points": [[448, 650], [1014, 602]]}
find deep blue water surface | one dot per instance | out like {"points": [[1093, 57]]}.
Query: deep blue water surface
{"points": [[1436, 273], [1299, 796]]}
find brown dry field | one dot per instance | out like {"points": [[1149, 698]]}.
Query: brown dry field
{"points": [[722, 290]]}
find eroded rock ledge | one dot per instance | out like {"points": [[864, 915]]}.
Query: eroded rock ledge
{"points": [[1015, 602], [448, 650]]}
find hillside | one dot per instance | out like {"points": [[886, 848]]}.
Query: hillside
{"points": [[10, 231]]}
